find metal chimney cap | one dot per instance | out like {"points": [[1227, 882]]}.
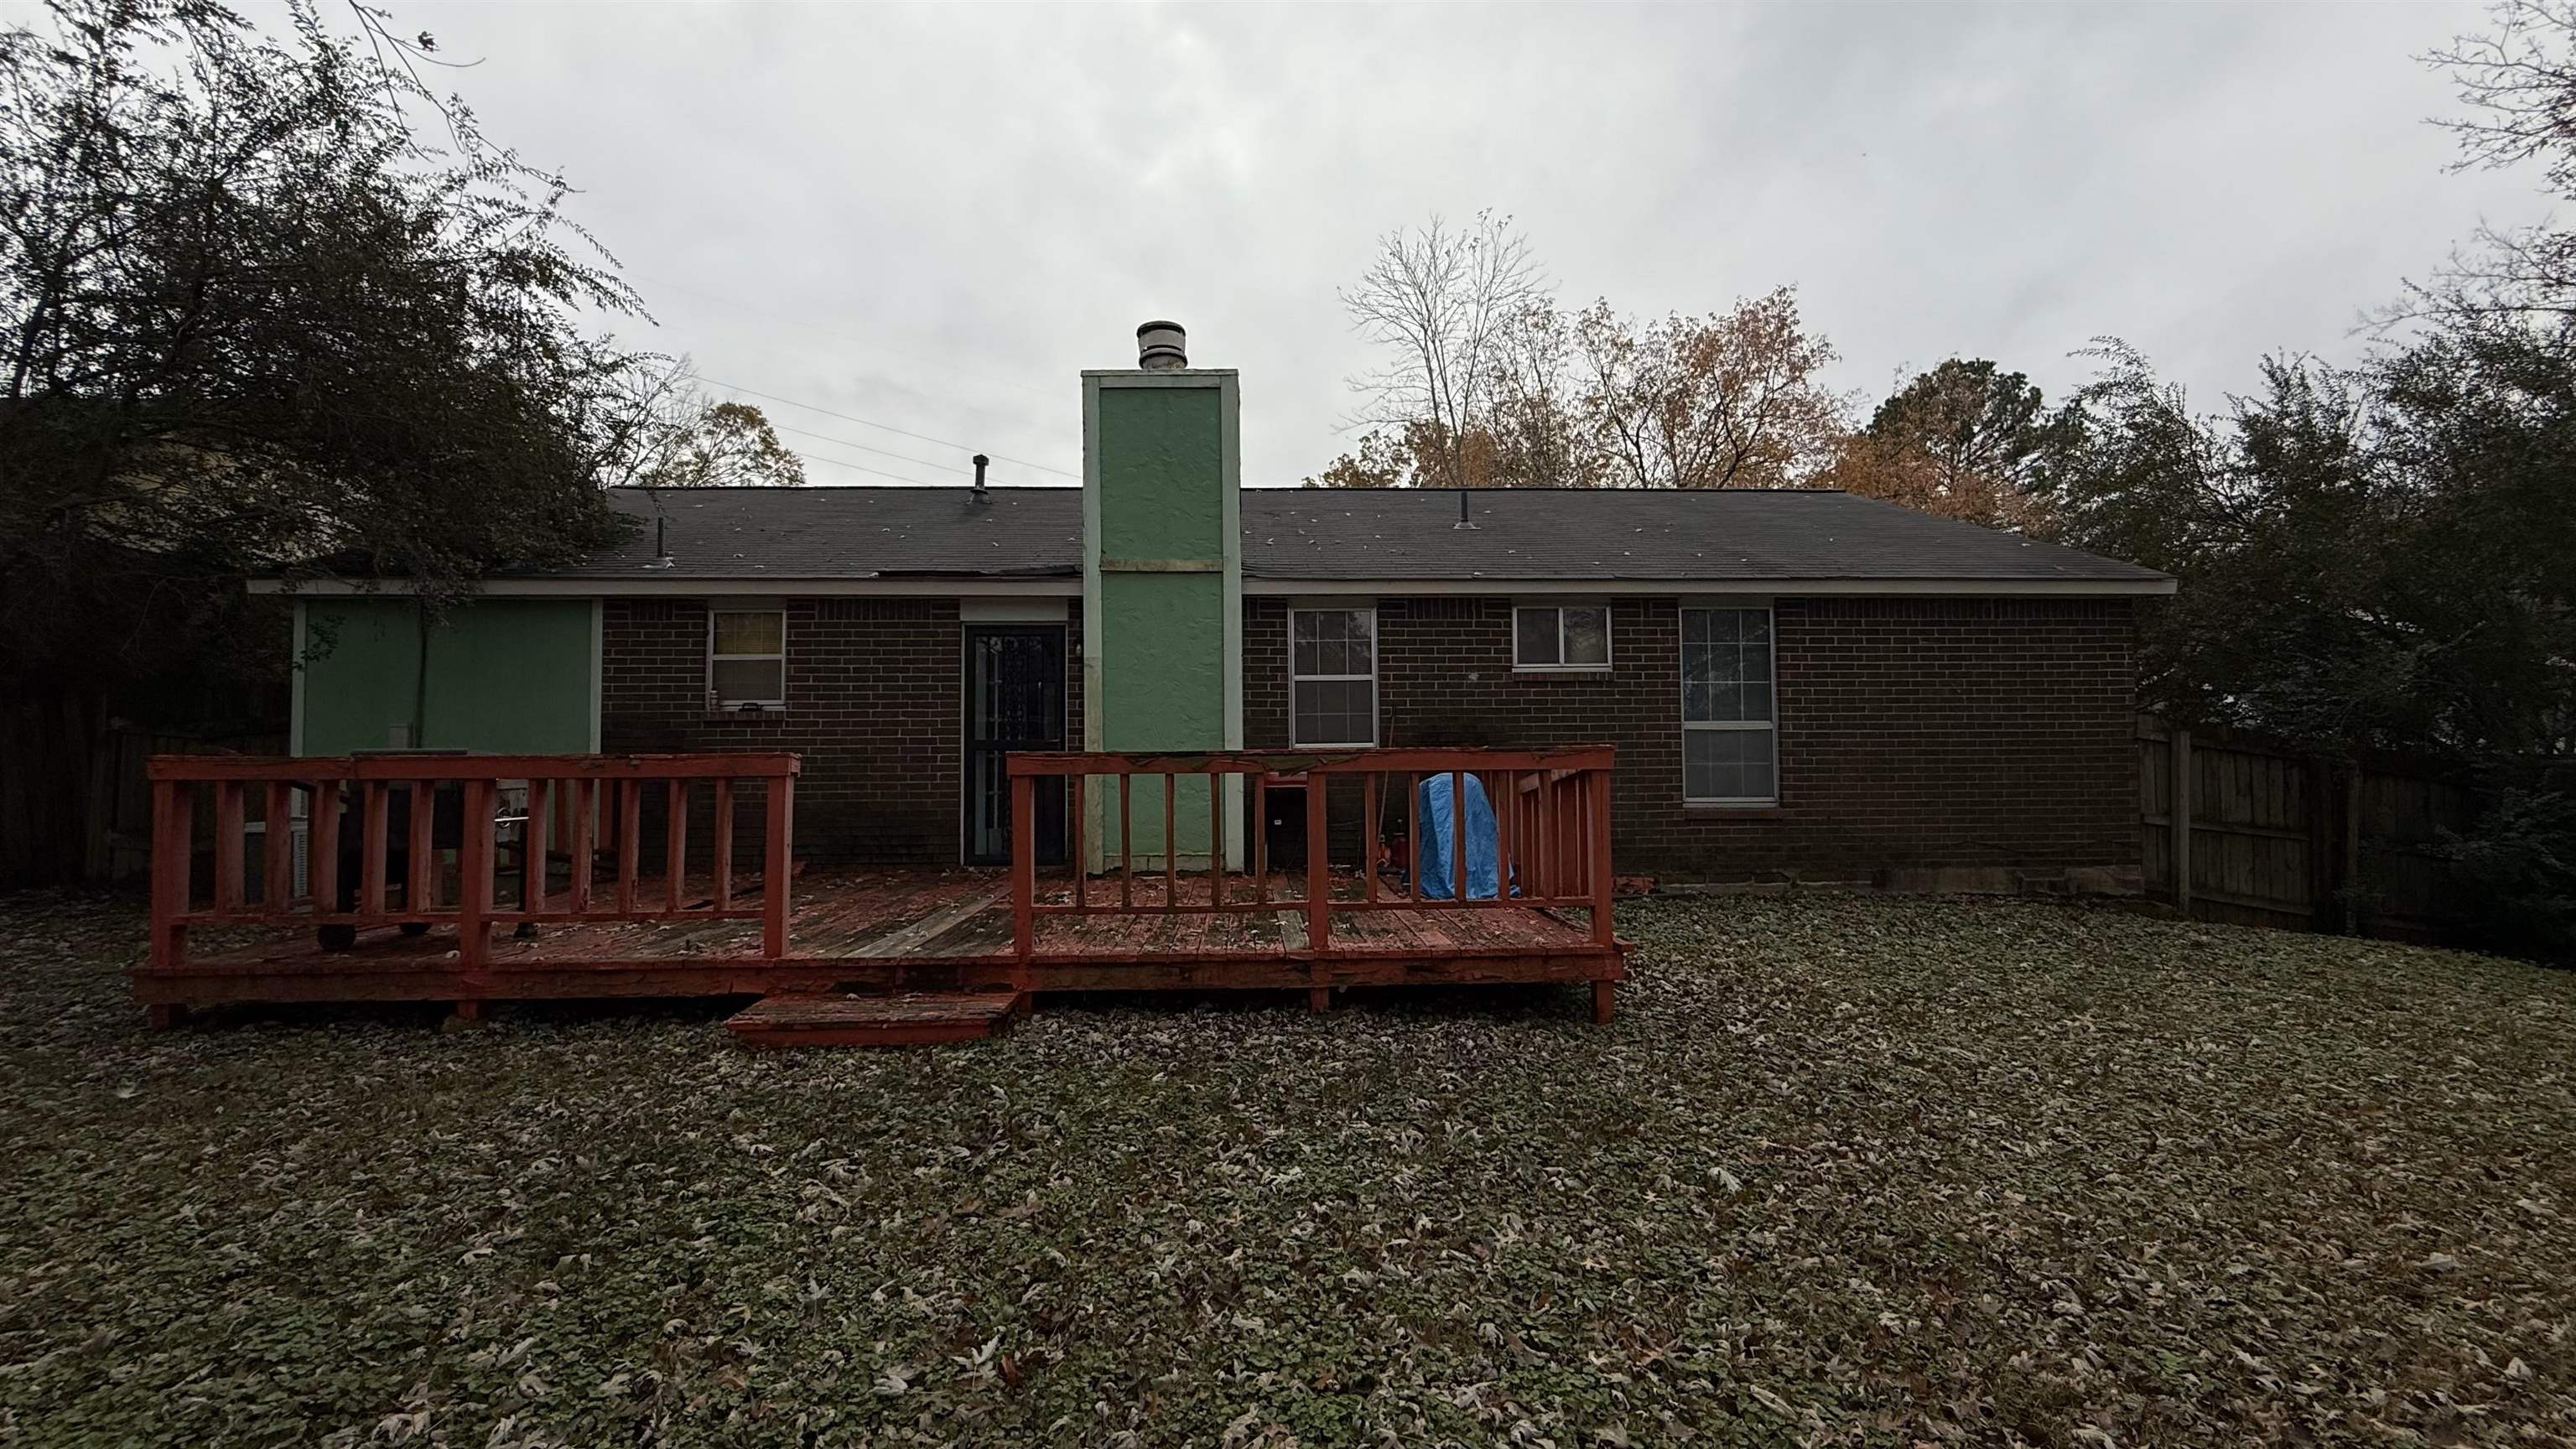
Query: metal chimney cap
{"points": [[1162, 347]]}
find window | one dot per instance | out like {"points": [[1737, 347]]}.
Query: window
{"points": [[1561, 636], [1728, 754], [1332, 676], [747, 659]]}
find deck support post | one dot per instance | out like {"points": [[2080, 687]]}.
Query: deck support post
{"points": [[1319, 880], [777, 865], [162, 1016], [1602, 991], [1024, 872], [1602, 881], [173, 862], [474, 891], [1319, 999]]}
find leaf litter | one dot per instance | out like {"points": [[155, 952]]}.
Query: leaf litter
{"points": [[1846, 1170]]}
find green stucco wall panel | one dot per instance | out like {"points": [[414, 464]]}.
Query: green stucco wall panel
{"points": [[515, 676], [1162, 581], [1164, 497]]}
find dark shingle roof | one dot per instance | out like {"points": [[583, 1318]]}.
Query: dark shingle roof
{"points": [[1653, 534], [844, 533], [1747, 535]]}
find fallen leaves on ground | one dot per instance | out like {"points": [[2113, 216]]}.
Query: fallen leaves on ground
{"points": [[1845, 1171]]}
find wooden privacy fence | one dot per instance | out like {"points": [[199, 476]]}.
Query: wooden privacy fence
{"points": [[375, 830], [2235, 826], [1551, 834]]}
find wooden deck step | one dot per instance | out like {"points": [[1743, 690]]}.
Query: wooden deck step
{"points": [[841, 1019]]}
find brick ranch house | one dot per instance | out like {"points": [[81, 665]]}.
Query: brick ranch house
{"points": [[1801, 685]]}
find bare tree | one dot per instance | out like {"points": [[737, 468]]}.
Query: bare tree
{"points": [[672, 433], [1731, 400], [1442, 299], [2519, 84]]}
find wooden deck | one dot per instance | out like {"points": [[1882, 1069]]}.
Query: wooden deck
{"points": [[476, 878], [888, 930]]}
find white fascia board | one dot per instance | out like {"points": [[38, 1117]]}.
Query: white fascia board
{"points": [[1804, 588], [732, 588]]}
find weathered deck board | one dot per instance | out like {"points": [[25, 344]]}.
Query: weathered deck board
{"points": [[836, 1019]]}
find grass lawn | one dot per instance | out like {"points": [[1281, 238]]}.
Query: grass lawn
{"points": [[1845, 1171]]}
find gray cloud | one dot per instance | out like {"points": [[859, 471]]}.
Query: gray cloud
{"points": [[935, 217]]}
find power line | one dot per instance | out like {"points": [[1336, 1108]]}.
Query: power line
{"points": [[871, 344], [863, 468], [882, 427], [864, 448]]}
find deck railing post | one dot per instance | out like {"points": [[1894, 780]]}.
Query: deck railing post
{"points": [[474, 884], [173, 860], [1599, 781], [778, 866], [1024, 872], [1319, 881]]}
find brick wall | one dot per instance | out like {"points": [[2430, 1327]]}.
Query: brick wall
{"points": [[874, 704], [1949, 743], [1975, 743]]}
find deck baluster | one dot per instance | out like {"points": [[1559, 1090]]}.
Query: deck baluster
{"points": [[373, 796], [1216, 842], [630, 842], [533, 846], [584, 839], [675, 844], [721, 850], [322, 847], [1368, 837], [228, 846], [1458, 834]]}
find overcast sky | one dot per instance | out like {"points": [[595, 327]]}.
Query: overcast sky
{"points": [[933, 218]]}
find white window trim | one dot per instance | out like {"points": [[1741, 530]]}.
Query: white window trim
{"points": [[1609, 645], [722, 705], [1771, 726], [1294, 678]]}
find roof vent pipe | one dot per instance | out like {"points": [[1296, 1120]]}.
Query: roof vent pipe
{"points": [[1162, 347], [661, 549], [1463, 520], [980, 461]]}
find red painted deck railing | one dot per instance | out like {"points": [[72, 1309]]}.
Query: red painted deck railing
{"points": [[1551, 833], [407, 810]]}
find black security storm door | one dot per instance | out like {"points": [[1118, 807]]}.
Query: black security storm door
{"points": [[1014, 701]]}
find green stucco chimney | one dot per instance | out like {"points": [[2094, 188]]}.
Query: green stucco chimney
{"points": [[1162, 584]]}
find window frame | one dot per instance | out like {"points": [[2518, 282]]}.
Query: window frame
{"points": [[1770, 726], [717, 703], [1335, 606], [1609, 641]]}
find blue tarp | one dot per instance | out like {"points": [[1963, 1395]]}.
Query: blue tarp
{"points": [[1439, 834]]}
